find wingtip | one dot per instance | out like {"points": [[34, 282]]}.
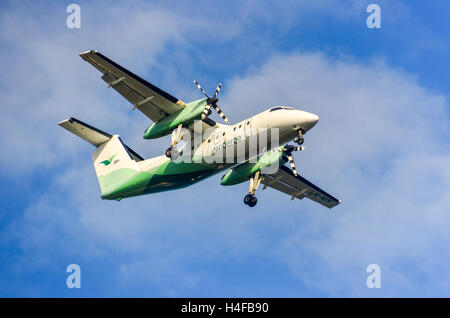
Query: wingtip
{"points": [[63, 121], [70, 120], [87, 52]]}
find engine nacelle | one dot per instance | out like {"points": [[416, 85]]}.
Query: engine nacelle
{"points": [[185, 116], [244, 171]]}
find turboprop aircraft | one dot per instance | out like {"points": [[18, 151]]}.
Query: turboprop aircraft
{"points": [[200, 147]]}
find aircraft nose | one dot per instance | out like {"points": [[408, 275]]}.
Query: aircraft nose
{"points": [[307, 120], [312, 119]]}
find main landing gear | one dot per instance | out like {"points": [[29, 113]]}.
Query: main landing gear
{"points": [[169, 152], [250, 198], [177, 135]]}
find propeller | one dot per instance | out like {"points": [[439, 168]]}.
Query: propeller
{"points": [[288, 149], [212, 103]]}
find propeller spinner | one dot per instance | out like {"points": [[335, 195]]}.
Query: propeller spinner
{"points": [[212, 102]]}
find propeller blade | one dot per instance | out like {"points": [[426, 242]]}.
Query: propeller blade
{"points": [[211, 102], [200, 88], [219, 86], [221, 114], [291, 162], [206, 111], [290, 148]]}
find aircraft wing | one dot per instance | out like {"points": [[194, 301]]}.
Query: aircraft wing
{"points": [[149, 99], [298, 187]]}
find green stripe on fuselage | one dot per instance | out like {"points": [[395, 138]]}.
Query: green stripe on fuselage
{"points": [[124, 183]]}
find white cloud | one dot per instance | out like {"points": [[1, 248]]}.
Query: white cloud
{"points": [[46, 81], [380, 145], [392, 181]]}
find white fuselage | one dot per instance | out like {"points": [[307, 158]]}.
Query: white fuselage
{"points": [[205, 155], [251, 137]]}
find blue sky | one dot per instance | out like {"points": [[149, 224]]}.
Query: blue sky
{"points": [[381, 146]]}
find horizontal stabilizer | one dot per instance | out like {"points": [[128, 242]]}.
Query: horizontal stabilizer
{"points": [[93, 135]]}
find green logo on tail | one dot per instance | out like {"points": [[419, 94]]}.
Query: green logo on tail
{"points": [[107, 162]]}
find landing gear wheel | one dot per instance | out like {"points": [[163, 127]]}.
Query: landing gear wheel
{"points": [[248, 199], [169, 152], [253, 202], [299, 140]]}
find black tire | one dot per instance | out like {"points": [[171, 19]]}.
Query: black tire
{"points": [[253, 202], [248, 199], [300, 141], [169, 152]]}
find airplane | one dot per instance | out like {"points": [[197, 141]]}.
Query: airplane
{"points": [[210, 147]]}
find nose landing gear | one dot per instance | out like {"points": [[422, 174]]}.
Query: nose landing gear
{"points": [[250, 198], [299, 139]]}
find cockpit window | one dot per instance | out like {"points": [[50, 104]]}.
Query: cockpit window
{"points": [[280, 107], [275, 108]]}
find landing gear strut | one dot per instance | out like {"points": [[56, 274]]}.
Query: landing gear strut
{"points": [[250, 198], [177, 135]]}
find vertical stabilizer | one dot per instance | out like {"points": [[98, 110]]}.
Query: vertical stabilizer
{"points": [[114, 162]]}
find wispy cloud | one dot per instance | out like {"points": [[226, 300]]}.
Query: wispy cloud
{"points": [[380, 145], [393, 193], [393, 185]]}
